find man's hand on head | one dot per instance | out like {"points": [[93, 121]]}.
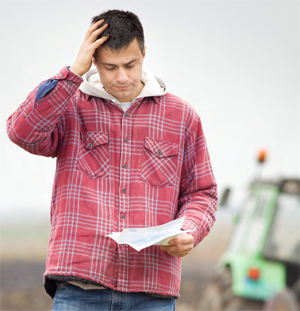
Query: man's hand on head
{"points": [[84, 58], [181, 246]]}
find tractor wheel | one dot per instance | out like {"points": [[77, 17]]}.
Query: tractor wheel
{"points": [[296, 291], [283, 301], [215, 295], [243, 304], [218, 296]]}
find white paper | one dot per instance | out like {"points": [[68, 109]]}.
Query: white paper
{"points": [[140, 238]]}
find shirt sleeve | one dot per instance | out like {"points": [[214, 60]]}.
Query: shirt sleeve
{"points": [[46, 87], [198, 188], [38, 124]]}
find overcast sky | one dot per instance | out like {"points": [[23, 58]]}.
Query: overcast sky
{"points": [[236, 62]]}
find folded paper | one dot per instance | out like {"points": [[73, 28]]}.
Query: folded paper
{"points": [[140, 238]]}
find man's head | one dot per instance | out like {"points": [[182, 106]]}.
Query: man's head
{"points": [[123, 28], [119, 60]]}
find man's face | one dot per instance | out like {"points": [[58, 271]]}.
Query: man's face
{"points": [[121, 71]]}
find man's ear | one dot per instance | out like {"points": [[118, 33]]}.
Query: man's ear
{"points": [[144, 52], [94, 61]]}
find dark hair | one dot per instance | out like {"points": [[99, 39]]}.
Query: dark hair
{"points": [[123, 28]]}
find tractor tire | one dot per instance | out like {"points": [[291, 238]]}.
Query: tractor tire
{"points": [[283, 301], [243, 304], [296, 291], [218, 296]]}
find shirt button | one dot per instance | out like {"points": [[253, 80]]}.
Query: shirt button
{"points": [[125, 165], [123, 216], [126, 140], [159, 152], [124, 190], [126, 115], [69, 82], [90, 145]]}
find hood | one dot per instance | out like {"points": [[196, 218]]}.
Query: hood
{"points": [[154, 86]]}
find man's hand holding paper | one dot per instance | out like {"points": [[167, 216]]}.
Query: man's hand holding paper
{"points": [[171, 238], [180, 246]]}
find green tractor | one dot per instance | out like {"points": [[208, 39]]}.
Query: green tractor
{"points": [[260, 268]]}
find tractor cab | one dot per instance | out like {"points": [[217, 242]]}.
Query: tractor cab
{"points": [[262, 257], [283, 240], [263, 254]]}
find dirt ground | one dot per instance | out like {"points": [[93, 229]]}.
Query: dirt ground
{"points": [[22, 268]]}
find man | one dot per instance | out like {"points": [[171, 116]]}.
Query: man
{"points": [[129, 154]]}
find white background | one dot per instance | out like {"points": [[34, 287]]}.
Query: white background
{"points": [[236, 62]]}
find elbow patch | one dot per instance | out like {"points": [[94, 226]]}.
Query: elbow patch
{"points": [[45, 88]]}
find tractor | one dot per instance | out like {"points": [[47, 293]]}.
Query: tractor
{"points": [[260, 268]]}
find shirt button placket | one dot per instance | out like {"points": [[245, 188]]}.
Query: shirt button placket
{"points": [[125, 172]]}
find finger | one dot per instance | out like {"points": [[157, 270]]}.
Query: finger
{"points": [[97, 32], [99, 42], [93, 27], [96, 25], [181, 248], [177, 254], [183, 239], [180, 254]]}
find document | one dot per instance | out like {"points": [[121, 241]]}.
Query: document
{"points": [[140, 238]]}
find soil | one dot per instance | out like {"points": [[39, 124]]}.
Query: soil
{"points": [[22, 286], [22, 271]]}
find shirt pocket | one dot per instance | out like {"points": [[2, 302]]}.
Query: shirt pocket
{"points": [[159, 162], [93, 158]]}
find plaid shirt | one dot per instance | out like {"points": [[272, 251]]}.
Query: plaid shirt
{"points": [[117, 170]]}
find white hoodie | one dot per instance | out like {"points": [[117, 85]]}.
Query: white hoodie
{"points": [[154, 86]]}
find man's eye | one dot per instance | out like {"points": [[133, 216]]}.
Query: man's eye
{"points": [[130, 66], [110, 68]]}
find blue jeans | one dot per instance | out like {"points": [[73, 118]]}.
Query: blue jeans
{"points": [[69, 297]]}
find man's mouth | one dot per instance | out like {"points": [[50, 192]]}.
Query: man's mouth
{"points": [[122, 88]]}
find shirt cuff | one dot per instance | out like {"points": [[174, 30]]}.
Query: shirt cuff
{"points": [[196, 233], [69, 68]]}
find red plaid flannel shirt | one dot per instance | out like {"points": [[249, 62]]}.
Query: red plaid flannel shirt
{"points": [[117, 170]]}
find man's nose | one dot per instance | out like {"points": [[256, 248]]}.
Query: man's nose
{"points": [[121, 76]]}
